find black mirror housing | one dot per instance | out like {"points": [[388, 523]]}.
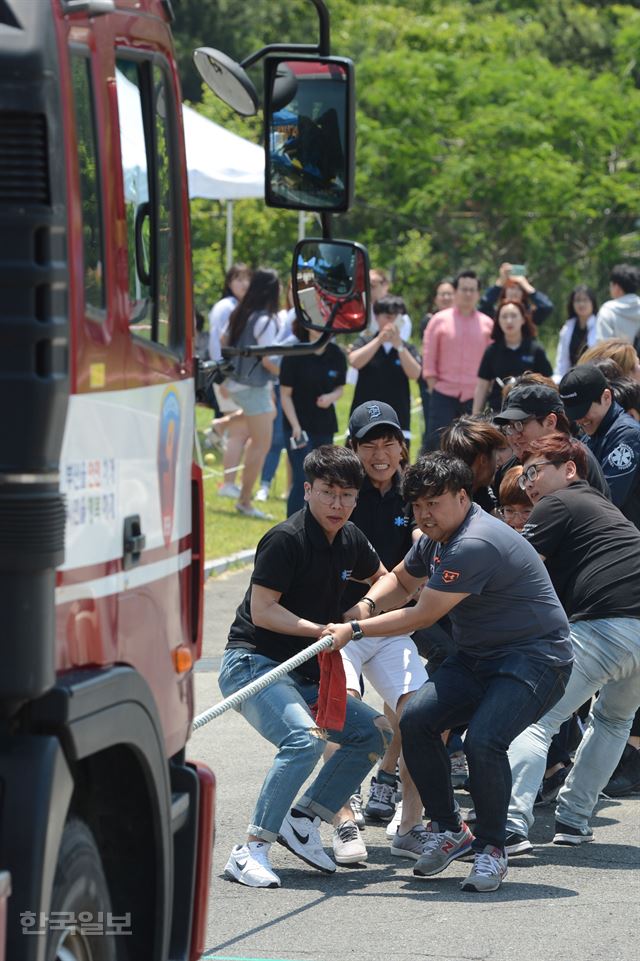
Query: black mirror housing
{"points": [[309, 117], [330, 285]]}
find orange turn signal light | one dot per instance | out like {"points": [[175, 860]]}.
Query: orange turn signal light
{"points": [[182, 659]]}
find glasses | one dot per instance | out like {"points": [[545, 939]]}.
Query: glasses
{"points": [[510, 512], [516, 426], [328, 498], [532, 471]]}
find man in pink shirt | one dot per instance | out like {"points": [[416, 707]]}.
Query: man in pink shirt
{"points": [[454, 342]]}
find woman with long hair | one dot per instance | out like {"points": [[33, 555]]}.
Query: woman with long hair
{"points": [[513, 351], [579, 331], [254, 321]]}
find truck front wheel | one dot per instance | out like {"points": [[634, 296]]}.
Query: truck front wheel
{"points": [[80, 903]]}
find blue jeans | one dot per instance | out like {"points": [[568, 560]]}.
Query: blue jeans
{"points": [[279, 441], [497, 698], [280, 713], [295, 501], [442, 410], [607, 659]]}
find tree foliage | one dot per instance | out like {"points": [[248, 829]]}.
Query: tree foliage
{"points": [[487, 130]]}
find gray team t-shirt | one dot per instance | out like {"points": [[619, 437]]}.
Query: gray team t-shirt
{"points": [[512, 605]]}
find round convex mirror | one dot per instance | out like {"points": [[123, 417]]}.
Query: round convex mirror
{"points": [[228, 80]]}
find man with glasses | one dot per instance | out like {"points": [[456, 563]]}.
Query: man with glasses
{"points": [[301, 570], [592, 554], [533, 410], [454, 343]]}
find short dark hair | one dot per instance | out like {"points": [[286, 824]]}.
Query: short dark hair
{"points": [[626, 276], [434, 474], [626, 392], [334, 465], [558, 449], [610, 368], [390, 304], [469, 436], [471, 274]]}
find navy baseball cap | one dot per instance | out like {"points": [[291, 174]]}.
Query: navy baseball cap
{"points": [[529, 400], [373, 413], [580, 388]]}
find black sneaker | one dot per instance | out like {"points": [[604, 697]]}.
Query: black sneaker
{"points": [[568, 835], [517, 844], [550, 787], [626, 777]]}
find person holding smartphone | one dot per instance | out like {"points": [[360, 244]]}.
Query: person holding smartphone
{"points": [[512, 283], [386, 363], [310, 385]]}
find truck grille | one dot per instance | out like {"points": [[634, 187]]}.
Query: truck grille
{"points": [[23, 159]]}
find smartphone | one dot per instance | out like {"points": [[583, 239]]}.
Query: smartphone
{"points": [[518, 270], [301, 442]]}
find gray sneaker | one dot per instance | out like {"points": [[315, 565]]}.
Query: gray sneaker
{"points": [[412, 844], [441, 848], [488, 872]]}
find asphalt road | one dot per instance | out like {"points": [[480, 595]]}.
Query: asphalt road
{"points": [[558, 904]]}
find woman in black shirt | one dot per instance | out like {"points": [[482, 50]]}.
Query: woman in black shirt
{"points": [[309, 387], [514, 351]]}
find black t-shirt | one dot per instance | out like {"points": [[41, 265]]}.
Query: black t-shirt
{"points": [[296, 559], [310, 376], [384, 379], [592, 552], [502, 362], [387, 521]]}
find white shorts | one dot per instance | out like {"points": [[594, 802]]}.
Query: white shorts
{"points": [[392, 666]]}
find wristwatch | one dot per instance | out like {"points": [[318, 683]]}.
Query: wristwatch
{"points": [[356, 631]]}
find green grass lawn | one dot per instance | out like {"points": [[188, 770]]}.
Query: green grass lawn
{"points": [[226, 532]]}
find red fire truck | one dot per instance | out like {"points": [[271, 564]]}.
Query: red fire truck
{"points": [[106, 829]]}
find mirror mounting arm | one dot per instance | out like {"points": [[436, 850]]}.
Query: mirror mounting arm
{"points": [[280, 350], [279, 48]]}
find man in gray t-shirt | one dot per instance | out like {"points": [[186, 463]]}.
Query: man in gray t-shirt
{"points": [[512, 662]]}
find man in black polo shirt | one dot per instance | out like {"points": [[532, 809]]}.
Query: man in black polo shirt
{"points": [[592, 554], [301, 570]]}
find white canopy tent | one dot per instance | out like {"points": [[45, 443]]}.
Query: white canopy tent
{"points": [[220, 165]]}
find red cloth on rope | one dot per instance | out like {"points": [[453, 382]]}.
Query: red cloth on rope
{"points": [[331, 708]]}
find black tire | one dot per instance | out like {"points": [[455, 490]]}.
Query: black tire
{"points": [[80, 885]]}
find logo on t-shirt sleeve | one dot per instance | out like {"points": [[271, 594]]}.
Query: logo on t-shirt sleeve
{"points": [[622, 457], [450, 576]]}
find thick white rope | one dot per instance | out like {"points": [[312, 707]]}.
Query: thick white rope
{"points": [[234, 700]]}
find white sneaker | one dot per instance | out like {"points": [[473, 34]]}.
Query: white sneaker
{"points": [[253, 512], [261, 495], [348, 846], [229, 490], [299, 833], [249, 864], [394, 823]]}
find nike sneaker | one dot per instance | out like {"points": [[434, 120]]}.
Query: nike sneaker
{"points": [[249, 864], [299, 833]]}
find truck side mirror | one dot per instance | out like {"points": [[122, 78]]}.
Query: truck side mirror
{"points": [[309, 133], [330, 285]]}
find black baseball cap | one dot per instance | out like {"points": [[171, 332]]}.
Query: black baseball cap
{"points": [[580, 388], [373, 413], [529, 400]]}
